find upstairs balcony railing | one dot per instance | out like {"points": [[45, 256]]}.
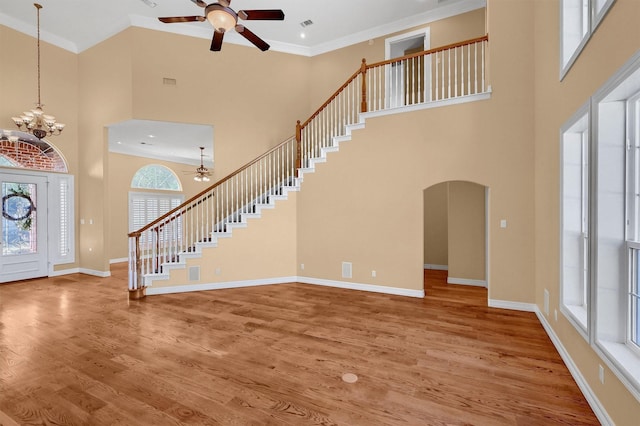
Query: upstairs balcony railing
{"points": [[445, 73]]}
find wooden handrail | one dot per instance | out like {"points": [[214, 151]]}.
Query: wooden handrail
{"points": [[332, 97], [210, 188], [430, 51]]}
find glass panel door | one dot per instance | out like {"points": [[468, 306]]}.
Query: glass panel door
{"points": [[23, 233]]}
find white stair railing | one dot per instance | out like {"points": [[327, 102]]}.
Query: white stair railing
{"points": [[209, 214]]}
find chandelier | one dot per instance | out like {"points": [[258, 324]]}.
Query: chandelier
{"points": [[36, 121]]}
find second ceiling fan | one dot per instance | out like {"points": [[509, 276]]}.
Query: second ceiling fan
{"points": [[223, 19]]}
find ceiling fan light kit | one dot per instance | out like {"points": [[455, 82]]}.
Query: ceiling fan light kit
{"points": [[222, 18], [202, 173]]}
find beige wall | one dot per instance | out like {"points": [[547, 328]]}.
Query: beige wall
{"points": [[105, 89], [251, 98], [436, 232], [614, 42], [466, 229]]}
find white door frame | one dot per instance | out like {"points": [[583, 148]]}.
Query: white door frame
{"points": [[425, 34]]}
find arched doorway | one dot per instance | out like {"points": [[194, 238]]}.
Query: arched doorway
{"points": [[455, 231]]}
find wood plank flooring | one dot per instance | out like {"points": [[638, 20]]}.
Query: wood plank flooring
{"points": [[75, 351]]}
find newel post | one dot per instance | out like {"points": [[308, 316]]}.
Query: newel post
{"points": [[363, 73], [298, 145]]}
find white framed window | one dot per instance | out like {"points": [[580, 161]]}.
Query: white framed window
{"points": [[615, 231], [578, 21], [574, 220], [633, 219], [62, 219]]}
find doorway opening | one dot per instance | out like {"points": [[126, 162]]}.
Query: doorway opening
{"points": [[456, 231], [408, 81]]}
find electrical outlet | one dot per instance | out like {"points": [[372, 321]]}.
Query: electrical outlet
{"points": [[555, 314], [218, 271], [373, 274], [546, 302], [601, 373], [302, 266]]}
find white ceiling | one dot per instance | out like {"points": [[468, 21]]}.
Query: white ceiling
{"points": [[76, 25]]}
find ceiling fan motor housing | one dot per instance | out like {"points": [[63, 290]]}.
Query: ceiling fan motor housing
{"points": [[221, 18]]}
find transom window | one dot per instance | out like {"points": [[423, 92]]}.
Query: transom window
{"points": [[155, 176], [579, 19]]}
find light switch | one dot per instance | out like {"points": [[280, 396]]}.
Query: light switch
{"points": [[503, 223]]}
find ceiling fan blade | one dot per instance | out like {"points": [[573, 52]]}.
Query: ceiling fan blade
{"points": [[224, 3], [262, 15], [216, 42], [175, 19], [244, 32], [200, 3]]}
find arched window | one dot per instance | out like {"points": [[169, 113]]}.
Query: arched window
{"points": [[155, 176], [145, 207], [24, 151]]}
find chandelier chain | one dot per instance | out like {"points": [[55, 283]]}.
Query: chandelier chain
{"points": [[38, 22], [36, 121]]}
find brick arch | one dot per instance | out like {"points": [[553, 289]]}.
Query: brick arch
{"points": [[28, 152]]}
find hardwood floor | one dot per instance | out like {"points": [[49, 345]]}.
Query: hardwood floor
{"points": [[74, 350]]}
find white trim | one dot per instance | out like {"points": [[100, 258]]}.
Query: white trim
{"points": [[362, 287], [436, 267], [93, 272], [285, 280], [514, 306], [426, 105], [582, 383], [61, 272], [118, 260], [466, 281], [218, 286]]}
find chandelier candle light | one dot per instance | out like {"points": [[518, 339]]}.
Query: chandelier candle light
{"points": [[36, 121]]}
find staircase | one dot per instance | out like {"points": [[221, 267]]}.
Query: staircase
{"points": [[450, 73]]}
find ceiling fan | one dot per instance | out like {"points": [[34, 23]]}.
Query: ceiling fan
{"points": [[223, 19], [202, 173]]}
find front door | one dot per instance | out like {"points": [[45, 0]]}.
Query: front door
{"points": [[23, 234]]}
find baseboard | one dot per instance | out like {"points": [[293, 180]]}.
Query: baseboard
{"points": [[63, 272], [363, 287], [101, 274], [466, 281], [218, 286], [118, 260], [586, 390], [514, 306], [436, 267], [283, 280]]}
